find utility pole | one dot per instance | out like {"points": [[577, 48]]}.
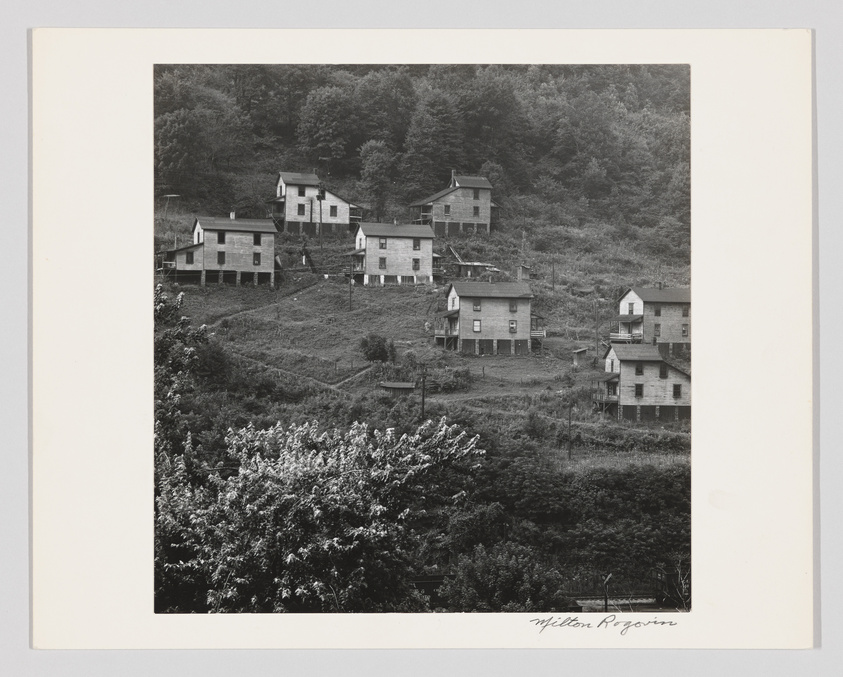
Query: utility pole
{"points": [[320, 195], [606, 594], [570, 436], [350, 280], [596, 333], [553, 275]]}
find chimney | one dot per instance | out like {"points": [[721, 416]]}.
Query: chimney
{"points": [[231, 215], [660, 285], [394, 221]]}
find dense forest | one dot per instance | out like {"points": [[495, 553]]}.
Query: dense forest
{"points": [[563, 146], [276, 495]]}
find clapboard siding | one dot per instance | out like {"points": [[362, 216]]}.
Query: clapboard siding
{"points": [[657, 391]]}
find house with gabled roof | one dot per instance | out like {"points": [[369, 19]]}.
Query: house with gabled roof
{"points": [[640, 383], [390, 253], [654, 315], [239, 251], [465, 206], [304, 206], [488, 318]]}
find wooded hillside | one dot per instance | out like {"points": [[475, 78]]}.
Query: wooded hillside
{"points": [[564, 146]]}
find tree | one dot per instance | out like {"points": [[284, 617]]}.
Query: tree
{"points": [[375, 348], [505, 577], [434, 144], [328, 125], [377, 166], [311, 521]]}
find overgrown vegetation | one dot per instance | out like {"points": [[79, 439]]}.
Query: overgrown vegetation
{"points": [[285, 480]]}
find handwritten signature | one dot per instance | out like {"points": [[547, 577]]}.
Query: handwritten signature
{"points": [[608, 622]]}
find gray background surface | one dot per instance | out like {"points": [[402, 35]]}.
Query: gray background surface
{"points": [[825, 16]]}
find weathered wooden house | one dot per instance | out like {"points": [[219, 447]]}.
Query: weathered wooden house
{"points": [[303, 206], [654, 315], [387, 253], [485, 318], [239, 251], [640, 384], [465, 206]]}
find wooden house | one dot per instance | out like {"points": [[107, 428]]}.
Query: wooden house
{"points": [[484, 318], [239, 251], [640, 384], [654, 315], [387, 253], [465, 206], [303, 206]]}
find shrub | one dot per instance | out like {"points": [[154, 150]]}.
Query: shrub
{"points": [[374, 348]]}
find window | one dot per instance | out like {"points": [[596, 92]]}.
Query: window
{"points": [[639, 368], [301, 191], [612, 388], [221, 258], [657, 310], [257, 240], [188, 258], [416, 243], [685, 330], [333, 210], [657, 330], [416, 264], [476, 305], [476, 326], [453, 302], [476, 193], [686, 310], [513, 306], [611, 365], [382, 242], [662, 370], [477, 211], [382, 263], [639, 390], [447, 210], [631, 308], [513, 326], [300, 210], [256, 259], [677, 390], [221, 237]]}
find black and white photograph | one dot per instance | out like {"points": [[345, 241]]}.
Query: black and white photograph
{"points": [[422, 338]]}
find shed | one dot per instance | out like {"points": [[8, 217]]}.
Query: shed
{"points": [[397, 388], [579, 354]]}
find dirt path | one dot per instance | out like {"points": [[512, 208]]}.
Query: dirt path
{"points": [[310, 379], [275, 302]]}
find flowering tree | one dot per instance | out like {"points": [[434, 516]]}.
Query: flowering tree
{"points": [[309, 521]]}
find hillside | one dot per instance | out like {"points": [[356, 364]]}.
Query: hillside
{"points": [[280, 462]]}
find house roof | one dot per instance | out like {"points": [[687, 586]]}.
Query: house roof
{"points": [[637, 352], [396, 230], [299, 178], [448, 313], [498, 290], [434, 197], [355, 252], [668, 295], [185, 248], [472, 182], [240, 225], [608, 376], [628, 318]]}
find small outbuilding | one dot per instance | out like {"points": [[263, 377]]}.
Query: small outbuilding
{"points": [[397, 388]]}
